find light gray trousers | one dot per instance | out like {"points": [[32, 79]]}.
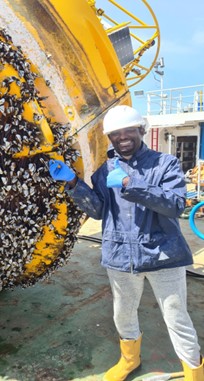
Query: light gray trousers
{"points": [[169, 287]]}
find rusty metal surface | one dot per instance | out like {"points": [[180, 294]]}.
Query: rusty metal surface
{"points": [[62, 329]]}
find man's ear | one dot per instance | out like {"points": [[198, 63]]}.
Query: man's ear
{"points": [[142, 130]]}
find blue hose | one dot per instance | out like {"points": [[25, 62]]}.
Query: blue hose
{"points": [[192, 222]]}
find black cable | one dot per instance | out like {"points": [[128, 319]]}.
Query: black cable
{"points": [[89, 238], [193, 274]]}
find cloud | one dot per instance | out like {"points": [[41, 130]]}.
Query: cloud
{"points": [[198, 38], [173, 47], [183, 45]]}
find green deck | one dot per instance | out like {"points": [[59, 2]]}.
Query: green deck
{"points": [[62, 329]]}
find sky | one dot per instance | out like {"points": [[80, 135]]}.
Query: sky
{"points": [[182, 41], [181, 24]]}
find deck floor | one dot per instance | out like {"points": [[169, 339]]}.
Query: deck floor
{"points": [[61, 329]]}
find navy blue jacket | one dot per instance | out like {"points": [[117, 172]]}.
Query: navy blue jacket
{"points": [[140, 228]]}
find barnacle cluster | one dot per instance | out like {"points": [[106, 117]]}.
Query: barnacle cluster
{"points": [[28, 195]]}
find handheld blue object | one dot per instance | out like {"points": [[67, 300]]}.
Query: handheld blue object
{"points": [[192, 221], [60, 171], [115, 177]]}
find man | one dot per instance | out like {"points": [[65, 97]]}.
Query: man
{"points": [[139, 194]]}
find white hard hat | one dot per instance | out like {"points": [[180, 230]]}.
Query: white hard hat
{"points": [[121, 116]]}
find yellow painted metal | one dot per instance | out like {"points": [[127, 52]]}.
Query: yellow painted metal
{"points": [[79, 76], [117, 27], [48, 248], [81, 54], [30, 109]]}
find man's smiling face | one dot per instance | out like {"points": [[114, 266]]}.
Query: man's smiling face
{"points": [[127, 141]]}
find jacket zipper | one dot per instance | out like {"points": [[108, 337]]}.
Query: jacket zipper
{"points": [[131, 260]]}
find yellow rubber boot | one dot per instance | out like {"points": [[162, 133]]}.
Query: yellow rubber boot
{"points": [[195, 374], [130, 360]]}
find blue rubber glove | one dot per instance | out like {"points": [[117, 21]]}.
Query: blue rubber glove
{"points": [[60, 171], [115, 177]]}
